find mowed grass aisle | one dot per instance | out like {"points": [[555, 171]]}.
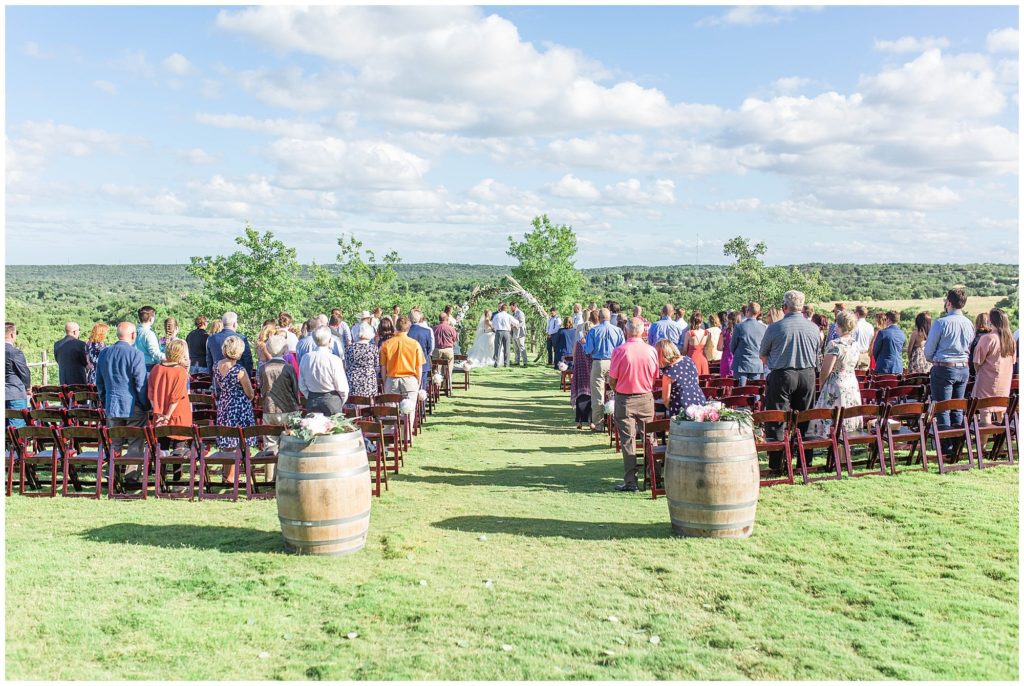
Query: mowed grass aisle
{"points": [[912, 577]]}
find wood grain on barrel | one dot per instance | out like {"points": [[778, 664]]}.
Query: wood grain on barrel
{"points": [[323, 494], [711, 479]]}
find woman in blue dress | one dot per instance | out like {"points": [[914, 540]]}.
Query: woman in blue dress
{"points": [[680, 384], [234, 393]]}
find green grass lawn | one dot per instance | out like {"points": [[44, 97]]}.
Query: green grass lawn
{"points": [[908, 577]]}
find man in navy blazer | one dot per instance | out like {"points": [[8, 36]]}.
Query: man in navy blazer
{"points": [[424, 335], [888, 348], [214, 354], [746, 347], [121, 384], [71, 357]]}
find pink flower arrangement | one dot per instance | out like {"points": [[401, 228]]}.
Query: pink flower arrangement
{"points": [[317, 424], [713, 411]]}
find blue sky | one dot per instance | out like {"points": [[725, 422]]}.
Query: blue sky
{"points": [[851, 134]]}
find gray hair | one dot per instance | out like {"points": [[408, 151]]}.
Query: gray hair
{"points": [[606, 314], [366, 333], [276, 345], [322, 319], [415, 316], [794, 300], [322, 336], [230, 320], [634, 327]]}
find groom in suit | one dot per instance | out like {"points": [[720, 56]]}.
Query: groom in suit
{"points": [[503, 324], [519, 338]]}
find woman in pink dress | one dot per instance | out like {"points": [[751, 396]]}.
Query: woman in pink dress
{"points": [[993, 359], [696, 339]]}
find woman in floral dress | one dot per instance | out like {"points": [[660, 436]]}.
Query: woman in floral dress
{"points": [[680, 384], [580, 387], [916, 362], [362, 363], [97, 342], [234, 393], [840, 388]]}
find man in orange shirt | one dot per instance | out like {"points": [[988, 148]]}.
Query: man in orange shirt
{"points": [[401, 361], [634, 366]]}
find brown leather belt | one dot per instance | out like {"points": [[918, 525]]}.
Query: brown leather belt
{"points": [[950, 364]]}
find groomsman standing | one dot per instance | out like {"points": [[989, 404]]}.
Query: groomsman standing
{"points": [[503, 324], [519, 338], [554, 324]]}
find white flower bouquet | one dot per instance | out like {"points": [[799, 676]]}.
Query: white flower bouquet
{"points": [[422, 394], [317, 424], [714, 411], [563, 367], [407, 406], [437, 378], [609, 404]]}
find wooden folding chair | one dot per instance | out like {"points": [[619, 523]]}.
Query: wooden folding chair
{"points": [[741, 402], [749, 389], [11, 413], [177, 459], [463, 384], [87, 399], [125, 455], [201, 400], [31, 444], [391, 432], [373, 431], [200, 385], [83, 446], [910, 432], [565, 380], [48, 401], [960, 435], [86, 416], [51, 388], [872, 395], [404, 424], [655, 436], [805, 443], [870, 437], [999, 432], [204, 417], [763, 445], [904, 394], [439, 366], [725, 383], [230, 460], [883, 377], [10, 458], [48, 417], [915, 379], [258, 455]]}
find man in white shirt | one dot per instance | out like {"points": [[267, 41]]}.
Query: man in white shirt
{"points": [[322, 378], [519, 338], [285, 320], [341, 328], [862, 334], [577, 315], [554, 324], [503, 324]]}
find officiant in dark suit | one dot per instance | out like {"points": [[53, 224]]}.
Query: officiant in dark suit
{"points": [[746, 347], [71, 357]]}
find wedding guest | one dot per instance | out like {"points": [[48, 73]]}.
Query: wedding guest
{"points": [[862, 334], [519, 337], [196, 341], [365, 322], [711, 351], [96, 344], [362, 363], [385, 330], [631, 374], [994, 357], [145, 338], [340, 327], [947, 347], [774, 315], [71, 356], [503, 324], [577, 315], [121, 385], [170, 333], [808, 312], [665, 328], [696, 341], [916, 362], [981, 327], [322, 379], [745, 345], [821, 321], [445, 337], [308, 344], [725, 344], [601, 341], [833, 332], [401, 361], [167, 390], [215, 344], [564, 342], [580, 387], [638, 311], [879, 324], [262, 353], [789, 349], [216, 326], [396, 312], [378, 314], [839, 385], [680, 382], [234, 390], [683, 327], [552, 328], [279, 389], [17, 378], [888, 345], [424, 335]]}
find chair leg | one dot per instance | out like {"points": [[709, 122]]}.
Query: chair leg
{"points": [[789, 459]]}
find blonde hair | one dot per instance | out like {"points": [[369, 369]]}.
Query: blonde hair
{"points": [[266, 332], [845, 322], [233, 348], [171, 327], [216, 326], [668, 350], [99, 333], [176, 351]]}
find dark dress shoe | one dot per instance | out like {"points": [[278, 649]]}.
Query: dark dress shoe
{"points": [[626, 488]]}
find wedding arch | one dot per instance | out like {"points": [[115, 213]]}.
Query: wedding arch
{"points": [[505, 286]]}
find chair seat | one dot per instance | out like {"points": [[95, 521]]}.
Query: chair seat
{"points": [[222, 456], [87, 455], [771, 445], [859, 436]]}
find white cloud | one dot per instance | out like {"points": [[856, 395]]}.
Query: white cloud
{"points": [[32, 49], [735, 205], [790, 84], [177, 64], [278, 127], [571, 187], [329, 162], [196, 156], [106, 87], [210, 89], [1003, 40], [631, 191], [135, 62], [751, 15], [911, 44]]}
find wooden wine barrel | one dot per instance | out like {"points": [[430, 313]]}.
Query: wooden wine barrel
{"points": [[323, 494], [711, 479]]}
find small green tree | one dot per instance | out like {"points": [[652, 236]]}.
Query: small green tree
{"points": [[256, 282], [354, 283], [750, 279]]}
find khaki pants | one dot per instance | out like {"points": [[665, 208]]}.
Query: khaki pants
{"points": [[598, 378], [864, 361], [407, 386], [447, 355], [629, 409]]}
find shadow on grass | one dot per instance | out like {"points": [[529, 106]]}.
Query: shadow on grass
{"points": [[226, 539], [591, 476], [549, 528]]}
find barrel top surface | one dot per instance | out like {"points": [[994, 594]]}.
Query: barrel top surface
{"points": [[297, 443]]}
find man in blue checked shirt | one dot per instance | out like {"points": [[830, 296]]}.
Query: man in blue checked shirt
{"points": [[601, 341], [665, 328], [947, 348]]}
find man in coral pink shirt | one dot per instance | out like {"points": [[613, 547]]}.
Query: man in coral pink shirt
{"points": [[634, 366]]}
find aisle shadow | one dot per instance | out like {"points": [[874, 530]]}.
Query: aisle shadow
{"points": [[545, 384], [552, 528], [560, 476], [226, 539]]}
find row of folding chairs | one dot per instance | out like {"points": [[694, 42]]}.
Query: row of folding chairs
{"points": [[884, 428]]}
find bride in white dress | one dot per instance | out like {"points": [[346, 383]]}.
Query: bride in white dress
{"points": [[482, 352]]}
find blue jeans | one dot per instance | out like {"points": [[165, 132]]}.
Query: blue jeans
{"points": [[743, 378], [948, 383], [196, 369], [16, 405]]}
